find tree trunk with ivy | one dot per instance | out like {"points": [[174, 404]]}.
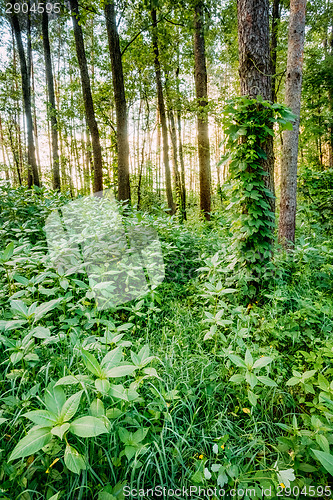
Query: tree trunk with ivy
{"points": [[288, 203], [255, 67], [200, 76]]}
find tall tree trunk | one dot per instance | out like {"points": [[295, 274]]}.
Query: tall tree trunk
{"points": [[52, 106], [255, 67], [33, 176], [87, 97], [180, 147], [200, 75], [173, 135], [290, 140], [276, 14], [161, 109], [120, 101]]}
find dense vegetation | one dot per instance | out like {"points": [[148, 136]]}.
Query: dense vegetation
{"points": [[217, 372], [218, 391]]}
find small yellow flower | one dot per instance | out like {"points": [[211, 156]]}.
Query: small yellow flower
{"points": [[262, 319], [246, 410], [54, 462], [222, 446], [201, 457], [282, 485]]}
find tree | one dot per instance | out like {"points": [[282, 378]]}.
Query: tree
{"points": [[33, 176], [162, 113], [87, 97], [276, 14], [290, 141], [51, 97], [200, 76], [120, 101], [255, 67]]}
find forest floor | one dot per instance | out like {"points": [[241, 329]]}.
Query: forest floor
{"points": [[191, 385]]}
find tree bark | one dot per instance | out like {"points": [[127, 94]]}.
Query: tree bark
{"points": [[200, 76], [255, 67], [87, 98], [276, 14], [33, 176], [161, 109], [120, 101], [290, 140], [52, 106]]}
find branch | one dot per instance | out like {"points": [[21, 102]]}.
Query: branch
{"points": [[139, 33]]}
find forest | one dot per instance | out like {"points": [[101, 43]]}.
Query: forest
{"points": [[166, 252]]}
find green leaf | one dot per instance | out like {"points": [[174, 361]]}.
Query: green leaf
{"points": [[34, 441], [112, 358], [251, 379], [55, 497], [253, 398], [91, 363], [73, 460], [237, 360], [70, 407], [293, 381], [125, 435], [54, 398], [322, 441], [46, 307], [71, 380], [102, 385], [261, 362], [19, 307], [59, 430], [41, 417], [97, 408], [237, 378], [121, 371], [130, 452], [140, 434], [8, 252], [326, 460], [267, 381], [88, 427]]}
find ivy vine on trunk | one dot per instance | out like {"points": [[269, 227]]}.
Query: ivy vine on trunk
{"points": [[249, 122]]}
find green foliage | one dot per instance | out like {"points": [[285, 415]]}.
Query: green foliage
{"points": [[186, 386], [249, 122]]}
